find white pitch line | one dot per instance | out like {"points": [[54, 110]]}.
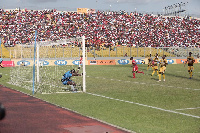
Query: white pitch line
{"points": [[152, 84], [166, 110], [187, 88], [170, 86], [188, 108]]}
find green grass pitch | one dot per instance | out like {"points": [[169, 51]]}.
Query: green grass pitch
{"points": [[142, 105]]}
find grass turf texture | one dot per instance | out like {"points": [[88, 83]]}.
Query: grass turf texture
{"points": [[177, 92]]}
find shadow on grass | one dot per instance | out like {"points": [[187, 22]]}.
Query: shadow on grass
{"points": [[179, 76]]}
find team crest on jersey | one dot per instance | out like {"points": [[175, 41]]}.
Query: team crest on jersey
{"points": [[123, 61]]}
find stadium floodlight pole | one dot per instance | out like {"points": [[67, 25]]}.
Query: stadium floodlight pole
{"points": [[84, 73], [34, 62]]}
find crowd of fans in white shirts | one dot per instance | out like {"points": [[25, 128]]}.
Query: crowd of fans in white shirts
{"points": [[107, 28]]}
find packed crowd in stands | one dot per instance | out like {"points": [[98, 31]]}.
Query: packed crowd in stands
{"points": [[107, 28]]}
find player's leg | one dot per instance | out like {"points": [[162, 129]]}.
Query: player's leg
{"points": [[1, 64], [156, 67], [148, 66], [160, 72], [190, 71], [134, 70], [163, 76], [133, 74], [140, 72], [191, 74], [72, 84], [164, 68], [153, 71], [78, 69], [192, 68]]}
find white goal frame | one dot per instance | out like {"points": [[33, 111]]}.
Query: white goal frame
{"points": [[37, 45], [84, 59]]}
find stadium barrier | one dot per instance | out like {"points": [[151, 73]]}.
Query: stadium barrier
{"points": [[8, 64], [101, 62], [120, 52], [61, 62]]}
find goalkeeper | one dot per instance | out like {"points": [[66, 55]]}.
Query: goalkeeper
{"points": [[1, 60], [66, 77]]}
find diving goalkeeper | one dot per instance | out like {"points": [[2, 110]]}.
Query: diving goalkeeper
{"points": [[66, 77]]}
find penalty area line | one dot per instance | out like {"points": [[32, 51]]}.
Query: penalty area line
{"points": [[165, 110], [189, 108]]}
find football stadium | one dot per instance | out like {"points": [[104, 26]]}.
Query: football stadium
{"points": [[99, 71]]}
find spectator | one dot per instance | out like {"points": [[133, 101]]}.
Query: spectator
{"points": [[125, 55], [107, 28]]}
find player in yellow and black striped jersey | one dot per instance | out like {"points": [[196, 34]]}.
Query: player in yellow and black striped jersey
{"points": [[150, 60], [155, 64], [190, 61], [163, 63]]}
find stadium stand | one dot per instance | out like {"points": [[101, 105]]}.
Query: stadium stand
{"points": [[110, 29]]}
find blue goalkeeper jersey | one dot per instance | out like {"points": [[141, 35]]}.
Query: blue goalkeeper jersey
{"points": [[67, 75]]}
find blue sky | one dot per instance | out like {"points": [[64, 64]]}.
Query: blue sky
{"points": [[193, 6]]}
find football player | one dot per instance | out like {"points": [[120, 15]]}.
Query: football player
{"points": [[190, 61], [162, 64], [66, 78], [155, 64], [1, 60], [150, 60], [135, 67]]}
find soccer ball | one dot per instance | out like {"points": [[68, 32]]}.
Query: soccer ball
{"points": [[0, 76]]}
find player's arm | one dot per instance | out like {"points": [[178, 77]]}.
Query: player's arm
{"points": [[193, 60], [63, 78], [78, 69], [185, 62], [76, 74], [159, 63], [166, 63]]}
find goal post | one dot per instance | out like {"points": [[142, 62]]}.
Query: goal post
{"points": [[84, 59], [43, 72], [33, 90]]}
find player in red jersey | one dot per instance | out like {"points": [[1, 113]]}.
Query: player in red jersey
{"points": [[81, 59], [135, 67]]}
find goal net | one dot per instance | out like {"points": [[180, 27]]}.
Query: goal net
{"points": [[42, 67]]}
